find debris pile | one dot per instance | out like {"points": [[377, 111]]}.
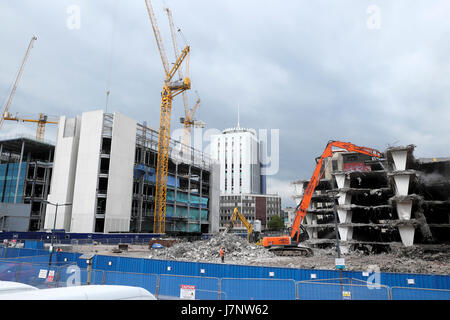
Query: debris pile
{"points": [[237, 250]]}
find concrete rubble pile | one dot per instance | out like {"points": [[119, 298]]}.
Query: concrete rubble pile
{"points": [[237, 249]]}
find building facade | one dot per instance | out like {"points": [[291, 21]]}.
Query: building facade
{"points": [[380, 203], [252, 206], [238, 152], [104, 171], [25, 171]]}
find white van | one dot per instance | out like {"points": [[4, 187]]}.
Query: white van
{"points": [[88, 292], [8, 287]]}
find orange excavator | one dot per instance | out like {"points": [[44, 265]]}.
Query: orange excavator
{"points": [[289, 245]]}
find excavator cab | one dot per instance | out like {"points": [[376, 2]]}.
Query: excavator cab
{"points": [[254, 232]]}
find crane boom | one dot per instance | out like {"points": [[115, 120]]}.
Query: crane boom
{"points": [[41, 122], [188, 113], [175, 49], [19, 75], [159, 42]]}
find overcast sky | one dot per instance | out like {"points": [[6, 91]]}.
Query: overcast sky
{"points": [[375, 73]]}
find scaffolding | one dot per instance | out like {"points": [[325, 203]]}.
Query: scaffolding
{"points": [[187, 185]]}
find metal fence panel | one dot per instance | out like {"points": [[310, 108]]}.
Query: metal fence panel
{"points": [[33, 274], [442, 282], [258, 289], [206, 288], [66, 257], [106, 263], [73, 275], [33, 259], [152, 266], [399, 293], [340, 289], [126, 264], [146, 281], [8, 270], [37, 275]]}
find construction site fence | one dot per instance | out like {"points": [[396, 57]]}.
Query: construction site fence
{"points": [[62, 237], [27, 244], [170, 287], [39, 268]]}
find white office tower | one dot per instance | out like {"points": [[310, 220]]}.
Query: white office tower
{"points": [[94, 161], [238, 152]]}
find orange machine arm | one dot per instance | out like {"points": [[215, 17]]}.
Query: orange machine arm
{"points": [[314, 181]]}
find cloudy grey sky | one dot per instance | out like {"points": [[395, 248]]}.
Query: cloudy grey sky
{"points": [[315, 70]]}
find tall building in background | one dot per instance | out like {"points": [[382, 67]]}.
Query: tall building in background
{"points": [[239, 153]]}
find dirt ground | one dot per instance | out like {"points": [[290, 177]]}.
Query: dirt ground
{"points": [[426, 260]]}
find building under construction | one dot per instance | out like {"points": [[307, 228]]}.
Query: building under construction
{"points": [[104, 179], [396, 200], [25, 174]]}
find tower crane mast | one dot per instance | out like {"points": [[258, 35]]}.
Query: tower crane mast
{"points": [[169, 91]]}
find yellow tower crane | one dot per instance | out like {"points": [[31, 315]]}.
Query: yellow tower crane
{"points": [[41, 122], [169, 91], [6, 113], [188, 120]]}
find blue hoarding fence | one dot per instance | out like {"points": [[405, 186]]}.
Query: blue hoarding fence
{"points": [[60, 236], [228, 281], [341, 289], [258, 289], [200, 288], [165, 286], [402, 293], [143, 280]]}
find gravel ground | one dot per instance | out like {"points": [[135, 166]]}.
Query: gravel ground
{"points": [[432, 260]]}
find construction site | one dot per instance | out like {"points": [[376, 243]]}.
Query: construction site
{"points": [[112, 186], [393, 212]]}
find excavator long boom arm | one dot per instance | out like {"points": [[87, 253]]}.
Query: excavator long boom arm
{"points": [[247, 225], [314, 181]]}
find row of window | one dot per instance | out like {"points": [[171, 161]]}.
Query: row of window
{"points": [[233, 204]]}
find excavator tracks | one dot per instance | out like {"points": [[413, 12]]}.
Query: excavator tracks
{"points": [[292, 251]]}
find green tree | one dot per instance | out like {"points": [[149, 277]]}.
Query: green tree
{"points": [[275, 223]]}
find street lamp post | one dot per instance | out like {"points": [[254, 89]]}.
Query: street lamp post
{"points": [[54, 227]]}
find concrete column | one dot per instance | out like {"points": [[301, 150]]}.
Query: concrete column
{"points": [[404, 209], [402, 181], [399, 157], [18, 171], [344, 198], [345, 216], [341, 180], [402, 184], [311, 220], [404, 213], [407, 235]]}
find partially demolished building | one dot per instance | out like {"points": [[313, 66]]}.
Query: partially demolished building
{"points": [[398, 200]]}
